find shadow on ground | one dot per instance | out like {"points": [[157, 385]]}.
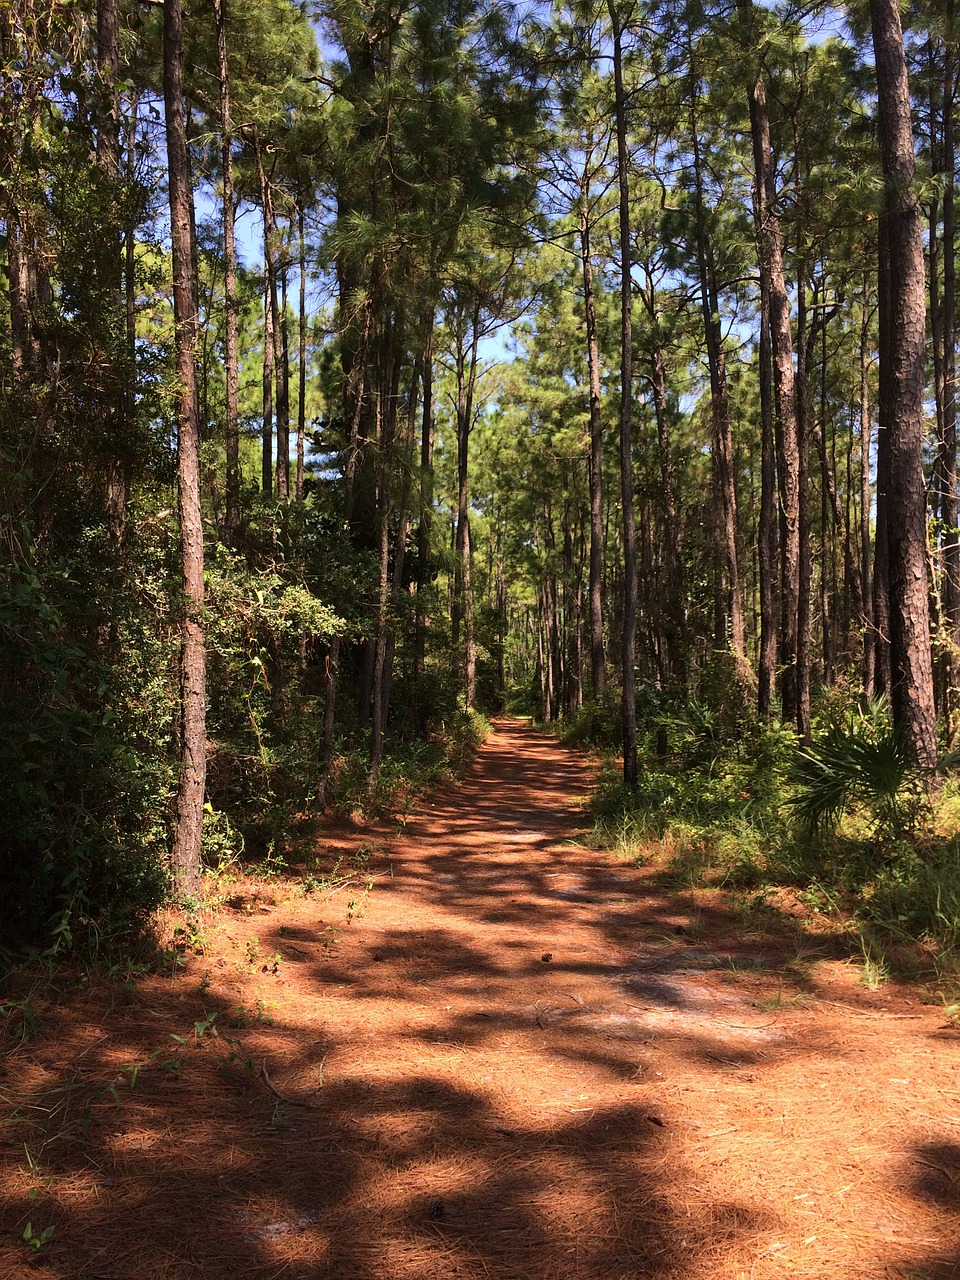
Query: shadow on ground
{"points": [[161, 1142]]}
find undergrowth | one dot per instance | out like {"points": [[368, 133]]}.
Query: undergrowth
{"points": [[408, 769], [728, 803]]}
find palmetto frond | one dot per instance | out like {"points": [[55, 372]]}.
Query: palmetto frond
{"points": [[867, 762]]}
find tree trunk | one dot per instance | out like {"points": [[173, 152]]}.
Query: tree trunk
{"points": [[302, 354], [805, 562], [193, 760], [902, 382], [629, 642], [466, 385], [767, 531], [672, 611], [273, 362], [729, 603], [426, 503], [231, 370], [283, 390], [353, 374], [598, 666], [949, 514], [866, 568], [266, 438], [770, 245], [108, 257]]}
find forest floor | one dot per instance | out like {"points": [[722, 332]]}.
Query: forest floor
{"points": [[513, 1058]]}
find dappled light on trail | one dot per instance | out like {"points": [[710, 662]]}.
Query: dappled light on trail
{"points": [[513, 1058]]}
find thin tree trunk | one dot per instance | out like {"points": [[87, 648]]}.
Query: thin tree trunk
{"points": [[770, 246], [266, 448], [883, 678], [108, 257], [767, 532], [273, 349], [386, 411], [948, 336], [830, 494], [130, 251], [805, 562], [302, 355], [383, 678], [332, 665], [231, 370], [729, 603], [193, 760], [629, 642], [598, 666], [672, 610], [283, 390], [466, 385], [571, 619], [869, 620], [426, 503]]}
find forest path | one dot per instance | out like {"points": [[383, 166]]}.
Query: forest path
{"points": [[521, 1060]]}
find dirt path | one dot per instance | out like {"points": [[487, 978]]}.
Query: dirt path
{"points": [[522, 1060]]}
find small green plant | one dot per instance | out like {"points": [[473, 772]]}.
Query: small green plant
{"points": [[270, 867], [204, 1025], [317, 882], [37, 1240], [222, 845], [189, 937], [243, 1017]]}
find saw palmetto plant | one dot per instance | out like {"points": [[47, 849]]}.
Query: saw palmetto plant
{"points": [[864, 763]]}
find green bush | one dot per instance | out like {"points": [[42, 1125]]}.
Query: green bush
{"points": [[863, 762], [85, 727]]}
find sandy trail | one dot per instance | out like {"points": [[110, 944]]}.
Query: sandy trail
{"points": [[522, 1060]]}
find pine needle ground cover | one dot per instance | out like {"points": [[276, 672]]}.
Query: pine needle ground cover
{"points": [[477, 1046]]}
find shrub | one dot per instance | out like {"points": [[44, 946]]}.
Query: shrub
{"points": [[863, 762]]}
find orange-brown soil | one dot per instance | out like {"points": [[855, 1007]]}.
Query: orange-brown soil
{"points": [[521, 1060]]}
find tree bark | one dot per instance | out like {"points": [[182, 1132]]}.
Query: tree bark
{"points": [[193, 760], [949, 514], [425, 521], [805, 562], [767, 531], [598, 666], [728, 594], [466, 359], [866, 571], [902, 381], [629, 641], [302, 355], [266, 435], [770, 246], [108, 257], [231, 369], [672, 608]]}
